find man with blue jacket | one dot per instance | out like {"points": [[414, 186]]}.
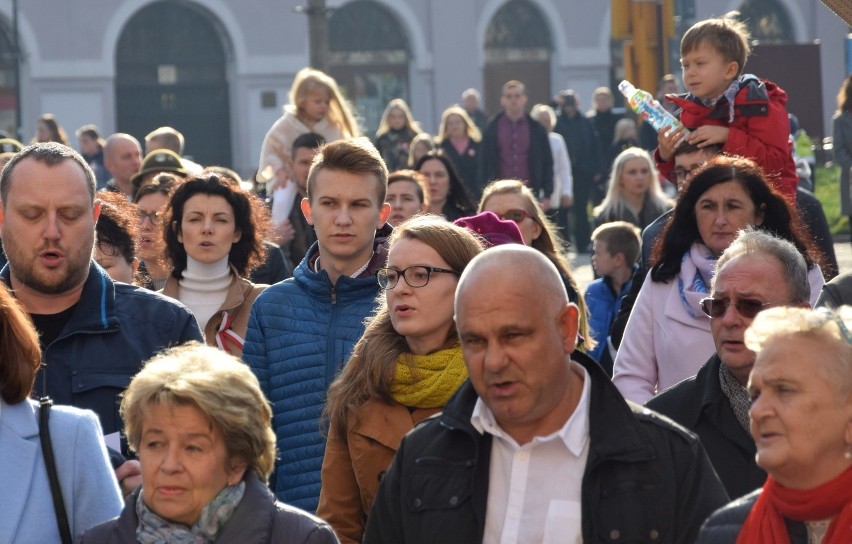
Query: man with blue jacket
{"points": [[94, 333], [302, 330]]}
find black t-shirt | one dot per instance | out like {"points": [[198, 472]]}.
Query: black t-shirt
{"points": [[50, 325]]}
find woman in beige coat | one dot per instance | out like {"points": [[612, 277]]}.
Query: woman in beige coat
{"points": [[214, 238]]}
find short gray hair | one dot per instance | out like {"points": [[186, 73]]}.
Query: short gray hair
{"points": [[51, 154], [831, 327], [751, 241]]}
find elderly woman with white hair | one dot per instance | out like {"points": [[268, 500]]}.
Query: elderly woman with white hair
{"points": [[199, 422], [801, 421]]}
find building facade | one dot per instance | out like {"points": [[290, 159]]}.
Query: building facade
{"points": [[220, 70]]}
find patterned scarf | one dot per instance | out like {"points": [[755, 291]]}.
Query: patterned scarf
{"points": [[730, 94], [428, 381], [737, 396], [696, 269], [153, 529]]}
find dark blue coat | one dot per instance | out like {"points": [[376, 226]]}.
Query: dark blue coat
{"points": [[115, 327], [300, 332]]}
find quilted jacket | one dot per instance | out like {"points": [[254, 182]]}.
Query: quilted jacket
{"points": [[300, 333]]}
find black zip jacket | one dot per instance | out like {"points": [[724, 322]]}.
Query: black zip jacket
{"points": [[646, 480]]}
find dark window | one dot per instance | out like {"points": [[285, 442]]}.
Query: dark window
{"points": [[369, 57], [171, 71], [517, 46]]}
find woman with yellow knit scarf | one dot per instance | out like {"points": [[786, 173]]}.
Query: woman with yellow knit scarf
{"points": [[403, 370]]}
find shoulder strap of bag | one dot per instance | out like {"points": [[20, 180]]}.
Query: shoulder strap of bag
{"points": [[49, 463]]}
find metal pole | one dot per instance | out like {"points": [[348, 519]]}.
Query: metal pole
{"points": [[17, 45], [318, 34]]}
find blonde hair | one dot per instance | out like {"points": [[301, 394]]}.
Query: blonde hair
{"points": [[538, 109], [622, 126], [398, 104], [549, 242], [614, 203], [340, 112], [470, 127], [830, 327], [370, 370], [220, 386], [423, 138]]}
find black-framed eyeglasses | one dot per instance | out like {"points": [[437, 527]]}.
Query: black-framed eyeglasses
{"points": [[156, 218], [747, 307], [415, 276], [681, 174]]}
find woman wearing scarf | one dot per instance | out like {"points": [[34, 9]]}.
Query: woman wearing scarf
{"points": [[201, 426], [403, 370], [801, 420], [667, 338]]}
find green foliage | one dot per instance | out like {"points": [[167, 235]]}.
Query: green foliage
{"points": [[827, 184]]}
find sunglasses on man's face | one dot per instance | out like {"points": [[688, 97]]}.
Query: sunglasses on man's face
{"points": [[747, 307]]}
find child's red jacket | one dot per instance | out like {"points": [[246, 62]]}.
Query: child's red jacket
{"points": [[760, 129]]}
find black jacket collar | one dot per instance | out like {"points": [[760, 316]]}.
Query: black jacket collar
{"points": [[613, 429]]}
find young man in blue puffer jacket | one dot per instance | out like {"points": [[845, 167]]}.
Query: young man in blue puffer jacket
{"points": [[302, 330]]}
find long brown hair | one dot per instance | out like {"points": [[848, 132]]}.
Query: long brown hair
{"points": [[20, 353], [370, 370], [549, 242], [844, 96]]}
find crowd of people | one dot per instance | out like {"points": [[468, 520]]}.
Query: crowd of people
{"points": [[382, 340]]}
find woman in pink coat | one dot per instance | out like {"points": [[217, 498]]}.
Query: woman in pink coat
{"points": [[667, 337]]}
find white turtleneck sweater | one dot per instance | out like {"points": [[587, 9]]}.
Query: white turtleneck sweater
{"points": [[203, 288]]}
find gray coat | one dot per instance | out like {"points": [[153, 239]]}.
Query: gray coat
{"points": [[843, 157], [258, 519]]}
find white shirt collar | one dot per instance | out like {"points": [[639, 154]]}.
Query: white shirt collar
{"points": [[574, 433]]}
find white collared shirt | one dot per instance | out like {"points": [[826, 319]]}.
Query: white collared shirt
{"points": [[534, 490]]}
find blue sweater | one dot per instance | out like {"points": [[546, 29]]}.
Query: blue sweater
{"points": [[300, 333], [603, 303]]}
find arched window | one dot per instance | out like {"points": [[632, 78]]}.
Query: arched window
{"points": [[171, 71], [767, 20], [368, 56], [518, 46]]}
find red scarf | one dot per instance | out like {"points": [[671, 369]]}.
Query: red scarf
{"points": [[765, 522]]}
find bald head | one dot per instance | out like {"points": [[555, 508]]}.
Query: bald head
{"points": [[521, 269], [517, 332], [119, 139]]}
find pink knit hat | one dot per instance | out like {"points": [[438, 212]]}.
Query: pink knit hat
{"points": [[496, 231]]}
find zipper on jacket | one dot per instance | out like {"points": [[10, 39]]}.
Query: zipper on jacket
{"points": [[334, 294]]}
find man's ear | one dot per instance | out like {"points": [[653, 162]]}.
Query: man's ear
{"points": [[96, 210], [306, 210], [569, 325], [384, 213], [2, 217]]}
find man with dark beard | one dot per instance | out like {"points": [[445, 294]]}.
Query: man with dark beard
{"points": [[94, 333]]}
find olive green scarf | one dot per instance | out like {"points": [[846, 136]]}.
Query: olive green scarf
{"points": [[428, 381]]}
